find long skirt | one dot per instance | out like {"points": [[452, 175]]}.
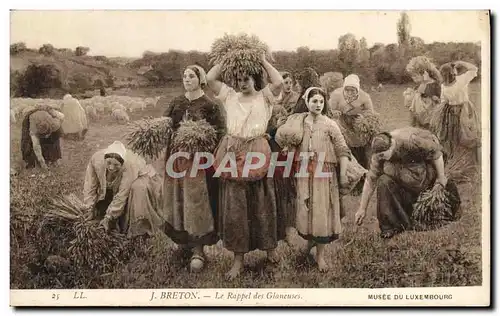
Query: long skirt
{"points": [[362, 155], [248, 218], [457, 127], [286, 194], [141, 213], [319, 211], [51, 149], [189, 208]]}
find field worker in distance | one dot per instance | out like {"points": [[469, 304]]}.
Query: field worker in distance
{"points": [[248, 204], [346, 104], [456, 122], [40, 137], [75, 124], [284, 186], [190, 203], [423, 99], [123, 192], [287, 98], [319, 212], [307, 78], [404, 163]]}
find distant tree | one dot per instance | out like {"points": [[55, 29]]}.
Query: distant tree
{"points": [[404, 29], [38, 80], [348, 53], [17, 48], [47, 50], [81, 51]]}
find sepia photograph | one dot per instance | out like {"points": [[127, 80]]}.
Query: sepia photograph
{"points": [[246, 158]]}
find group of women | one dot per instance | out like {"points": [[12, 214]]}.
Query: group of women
{"points": [[255, 211]]}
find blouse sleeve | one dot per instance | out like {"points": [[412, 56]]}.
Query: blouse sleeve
{"points": [[465, 78], [339, 143], [169, 106], [224, 93], [376, 168]]}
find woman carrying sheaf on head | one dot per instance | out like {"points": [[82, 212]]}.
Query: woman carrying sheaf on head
{"points": [[247, 219]]}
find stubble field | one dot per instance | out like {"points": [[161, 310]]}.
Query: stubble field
{"points": [[450, 256]]}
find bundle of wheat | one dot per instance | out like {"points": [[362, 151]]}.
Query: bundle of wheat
{"points": [[366, 126], [460, 167], [194, 136], [239, 56], [331, 81], [92, 247], [419, 64], [436, 206], [150, 136], [354, 173]]}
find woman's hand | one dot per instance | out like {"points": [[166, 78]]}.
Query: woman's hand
{"points": [[263, 58], [284, 151], [360, 216], [105, 223], [336, 114], [344, 181], [442, 181]]}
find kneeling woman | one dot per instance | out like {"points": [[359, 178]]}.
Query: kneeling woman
{"points": [[123, 191]]}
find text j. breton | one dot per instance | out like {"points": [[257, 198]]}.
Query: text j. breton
{"points": [[173, 295]]}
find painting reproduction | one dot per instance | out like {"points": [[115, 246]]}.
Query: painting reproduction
{"points": [[249, 158]]}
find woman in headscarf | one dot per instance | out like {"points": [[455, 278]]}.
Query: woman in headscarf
{"points": [[75, 123], [123, 192], [306, 79], [248, 204], [190, 203], [423, 99], [405, 162], [456, 122], [319, 213], [346, 104], [40, 137]]}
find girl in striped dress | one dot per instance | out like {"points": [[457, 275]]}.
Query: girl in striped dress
{"points": [[318, 196]]}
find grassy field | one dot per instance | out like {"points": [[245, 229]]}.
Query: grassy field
{"points": [[450, 256]]}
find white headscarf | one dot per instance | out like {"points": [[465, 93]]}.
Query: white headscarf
{"points": [[116, 148]]}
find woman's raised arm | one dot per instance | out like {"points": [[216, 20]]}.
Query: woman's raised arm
{"points": [[213, 79]]}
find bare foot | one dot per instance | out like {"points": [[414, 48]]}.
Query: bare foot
{"points": [[322, 265], [235, 271], [272, 256]]}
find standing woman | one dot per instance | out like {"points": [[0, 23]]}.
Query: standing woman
{"points": [[40, 137], [319, 211], [346, 104], [306, 79], [456, 122], [248, 203], [75, 123], [190, 203], [423, 99], [287, 98]]}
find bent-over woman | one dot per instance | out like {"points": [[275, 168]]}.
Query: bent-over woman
{"points": [[123, 192], [40, 137]]}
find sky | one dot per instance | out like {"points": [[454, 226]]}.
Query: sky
{"points": [[130, 33]]}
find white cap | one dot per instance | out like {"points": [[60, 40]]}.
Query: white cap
{"points": [[117, 148]]}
